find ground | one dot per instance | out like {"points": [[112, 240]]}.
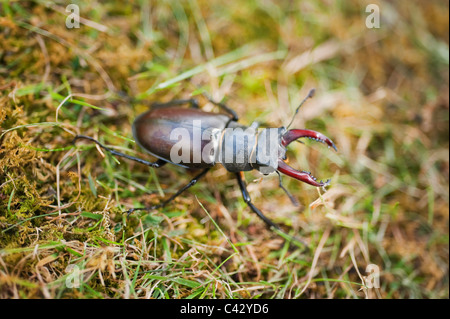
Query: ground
{"points": [[382, 95]]}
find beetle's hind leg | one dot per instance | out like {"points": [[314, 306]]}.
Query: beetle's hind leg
{"points": [[270, 223], [156, 164], [171, 198]]}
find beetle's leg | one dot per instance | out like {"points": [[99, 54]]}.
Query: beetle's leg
{"points": [[171, 198], [248, 200], [156, 164], [192, 102], [227, 109], [291, 197]]}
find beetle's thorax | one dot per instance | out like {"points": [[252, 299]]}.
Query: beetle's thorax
{"points": [[243, 148]]}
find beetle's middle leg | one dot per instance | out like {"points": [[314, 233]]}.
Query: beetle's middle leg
{"points": [[171, 198]]}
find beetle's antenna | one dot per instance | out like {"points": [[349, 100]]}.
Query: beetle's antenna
{"points": [[291, 197], [310, 95]]}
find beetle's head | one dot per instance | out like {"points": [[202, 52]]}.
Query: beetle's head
{"points": [[287, 138]]}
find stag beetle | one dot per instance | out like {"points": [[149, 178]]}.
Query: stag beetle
{"points": [[153, 130]]}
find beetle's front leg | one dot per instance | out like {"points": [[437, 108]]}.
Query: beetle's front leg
{"points": [[193, 103], [248, 200], [223, 106]]}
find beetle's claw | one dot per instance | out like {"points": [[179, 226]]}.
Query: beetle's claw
{"points": [[130, 211], [303, 176], [295, 134]]}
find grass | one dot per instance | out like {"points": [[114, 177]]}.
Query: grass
{"points": [[381, 95]]}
